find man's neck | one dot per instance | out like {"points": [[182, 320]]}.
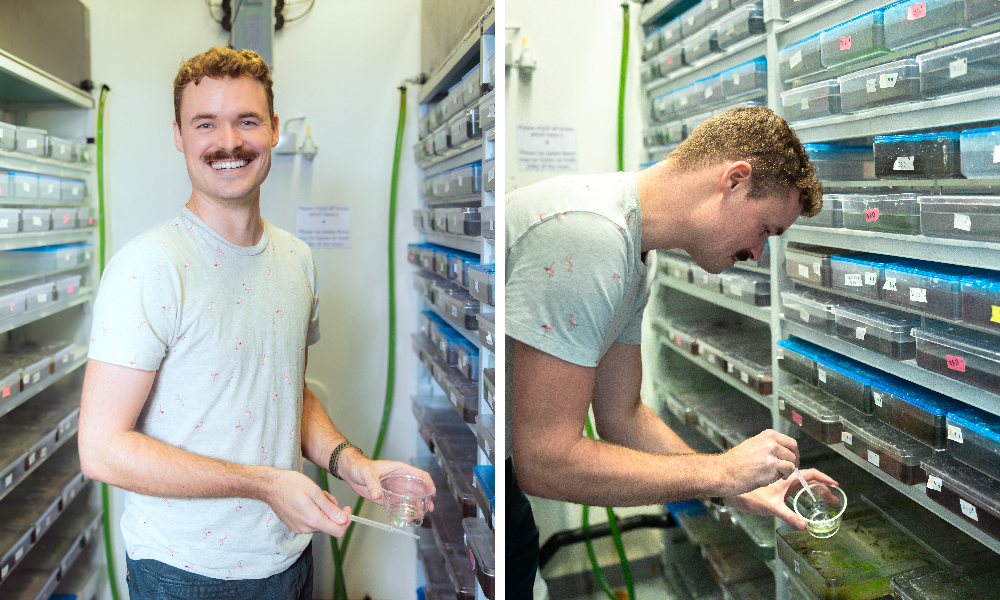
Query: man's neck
{"points": [[238, 221], [666, 199]]}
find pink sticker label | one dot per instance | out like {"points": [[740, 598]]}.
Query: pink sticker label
{"points": [[65, 218], [670, 60], [871, 215], [797, 418], [845, 42], [916, 11], [6, 391], [955, 363], [13, 306], [90, 220], [69, 289], [678, 340]]}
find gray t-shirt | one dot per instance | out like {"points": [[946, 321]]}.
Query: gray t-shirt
{"points": [[226, 328], [575, 279]]}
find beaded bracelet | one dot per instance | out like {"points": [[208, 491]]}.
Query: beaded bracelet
{"points": [[335, 457]]}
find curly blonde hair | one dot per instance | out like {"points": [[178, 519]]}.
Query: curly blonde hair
{"points": [[758, 136], [220, 62]]}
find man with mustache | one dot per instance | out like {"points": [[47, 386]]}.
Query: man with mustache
{"points": [[194, 399], [576, 286]]}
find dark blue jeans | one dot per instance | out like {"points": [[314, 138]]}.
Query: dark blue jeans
{"points": [[522, 540], [153, 580]]}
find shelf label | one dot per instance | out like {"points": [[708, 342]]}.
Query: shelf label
{"points": [[670, 60], [890, 284], [745, 377], [878, 398], [955, 434], [31, 459], [871, 215], [804, 315], [795, 59], [888, 80], [845, 42], [934, 483], [955, 363], [684, 101], [873, 457], [31, 144], [708, 92], [490, 175], [66, 218], [780, 352], [822, 375], [917, 11], [9, 480], [871, 278], [852, 279], [817, 268], [860, 333], [781, 404], [736, 290], [459, 181], [36, 221], [6, 391], [957, 68], [804, 271], [6, 568], [797, 570], [714, 4], [872, 86], [805, 104], [996, 314], [968, 509], [918, 295], [19, 554], [847, 438], [996, 154], [903, 163], [678, 340], [797, 418], [736, 79], [963, 222], [476, 282]]}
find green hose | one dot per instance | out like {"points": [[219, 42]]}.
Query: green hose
{"points": [[105, 490], [340, 549], [615, 535], [621, 90]]}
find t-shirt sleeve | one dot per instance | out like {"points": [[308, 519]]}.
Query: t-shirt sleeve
{"points": [[136, 311], [632, 334], [312, 334], [563, 285]]}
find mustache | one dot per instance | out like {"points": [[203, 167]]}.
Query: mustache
{"points": [[743, 255], [240, 153]]}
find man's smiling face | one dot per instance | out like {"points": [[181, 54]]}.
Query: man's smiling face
{"points": [[226, 136]]}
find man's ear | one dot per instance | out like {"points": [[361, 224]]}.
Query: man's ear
{"points": [[274, 131], [177, 138], [736, 174]]}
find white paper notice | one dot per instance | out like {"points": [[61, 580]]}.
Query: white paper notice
{"points": [[963, 222], [324, 225], [546, 148]]}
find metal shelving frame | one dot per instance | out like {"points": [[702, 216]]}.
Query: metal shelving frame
{"points": [[971, 108], [477, 47], [27, 92]]}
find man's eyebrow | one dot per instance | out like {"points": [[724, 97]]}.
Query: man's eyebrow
{"points": [[779, 231], [254, 114], [202, 116]]}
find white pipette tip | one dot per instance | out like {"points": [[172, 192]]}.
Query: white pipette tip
{"points": [[805, 485], [383, 527]]}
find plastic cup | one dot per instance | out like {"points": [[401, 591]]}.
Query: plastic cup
{"points": [[405, 498], [822, 515]]}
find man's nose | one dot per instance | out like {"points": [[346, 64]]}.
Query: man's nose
{"points": [[229, 138]]}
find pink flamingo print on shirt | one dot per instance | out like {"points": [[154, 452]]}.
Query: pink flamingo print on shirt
{"points": [[157, 271], [167, 502], [166, 308], [218, 250], [133, 363], [142, 323], [238, 344], [249, 416], [239, 424], [178, 399], [200, 423], [217, 266], [269, 273], [569, 261], [265, 458], [548, 327], [206, 532], [572, 323], [239, 301], [239, 505], [222, 540], [231, 375], [160, 412], [132, 277], [247, 289], [268, 522], [210, 306], [616, 276], [287, 380], [263, 359], [187, 265], [291, 433], [213, 375], [550, 270]]}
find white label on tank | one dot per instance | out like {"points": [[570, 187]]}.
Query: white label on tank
{"points": [[736, 79], [860, 333], [797, 570], [26, 186], [780, 353], [852, 279], [491, 173], [873, 458], [31, 459], [871, 278], [736, 290], [918, 295], [36, 221], [36, 377], [477, 284], [903, 163], [847, 438], [996, 154], [745, 377], [45, 451], [964, 222], [878, 398], [818, 268], [803, 271], [708, 92], [459, 181], [31, 144], [822, 375], [795, 59], [957, 68], [9, 480], [3, 571], [463, 362], [872, 85], [804, 105], [934, 483], [804, 315], [968, 510], [955, 434], [714, 4], [890, 284], [781, 404], [888, 80], [3, 223], [19, 554]]}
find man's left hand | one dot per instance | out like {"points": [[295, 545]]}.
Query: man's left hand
{"points": [[363, 475], [770, 500]]}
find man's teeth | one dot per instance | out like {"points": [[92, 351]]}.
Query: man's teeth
{"points": [[229, 165]]}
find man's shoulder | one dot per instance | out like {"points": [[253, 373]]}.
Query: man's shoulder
{"points": [[286, 242], [159, 240]]}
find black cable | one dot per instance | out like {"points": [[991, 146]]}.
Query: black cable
{"points": [[308, 10], [573, 536]]}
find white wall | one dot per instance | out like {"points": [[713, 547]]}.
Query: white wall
{"points": [[578, 54], [340, 67]]}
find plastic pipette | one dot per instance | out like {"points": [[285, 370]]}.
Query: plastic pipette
{"points": [[384, 527], [805, 485]]}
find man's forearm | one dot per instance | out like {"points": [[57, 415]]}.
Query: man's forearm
{"points": [[604, 474], [641, 429], [138, 463], [319, 435]]}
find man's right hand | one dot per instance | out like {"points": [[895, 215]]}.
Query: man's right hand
{"points": [[303, 506], [760, 461]]}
